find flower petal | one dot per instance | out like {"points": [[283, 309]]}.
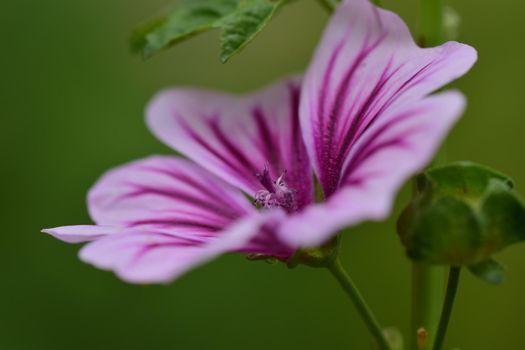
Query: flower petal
{"points": [[166, 193], [366, 64], [393, 149], [235, 136], [81, 233], [148, 256]]}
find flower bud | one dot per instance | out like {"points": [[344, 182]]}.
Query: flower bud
{"points": [[460, 215]]}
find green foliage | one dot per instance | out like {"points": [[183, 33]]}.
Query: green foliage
{"points": [[239, 21], [460, 215]]}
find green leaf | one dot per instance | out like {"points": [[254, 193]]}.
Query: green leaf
{"points": [[460, 215], [239, 20], [489, 270], [240, 28]]}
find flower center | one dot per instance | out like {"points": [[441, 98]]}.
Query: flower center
{"points": [[276, 194]]}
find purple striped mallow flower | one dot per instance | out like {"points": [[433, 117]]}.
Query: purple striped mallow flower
{"points": [[360, 122]]}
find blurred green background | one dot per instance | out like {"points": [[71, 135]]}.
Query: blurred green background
{"points": [[72, 99]]}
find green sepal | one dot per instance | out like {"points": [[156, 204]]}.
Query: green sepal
{"points": [[270, 260], [442, 232], [322, 256], [460, 215], [464, 180], [489, 270], [239, 21], [504, 216]]}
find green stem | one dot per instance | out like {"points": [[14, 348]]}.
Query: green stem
{"points": [[427, 287], [363, 309], [431, 22], [452, 288], [427, 281]]}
